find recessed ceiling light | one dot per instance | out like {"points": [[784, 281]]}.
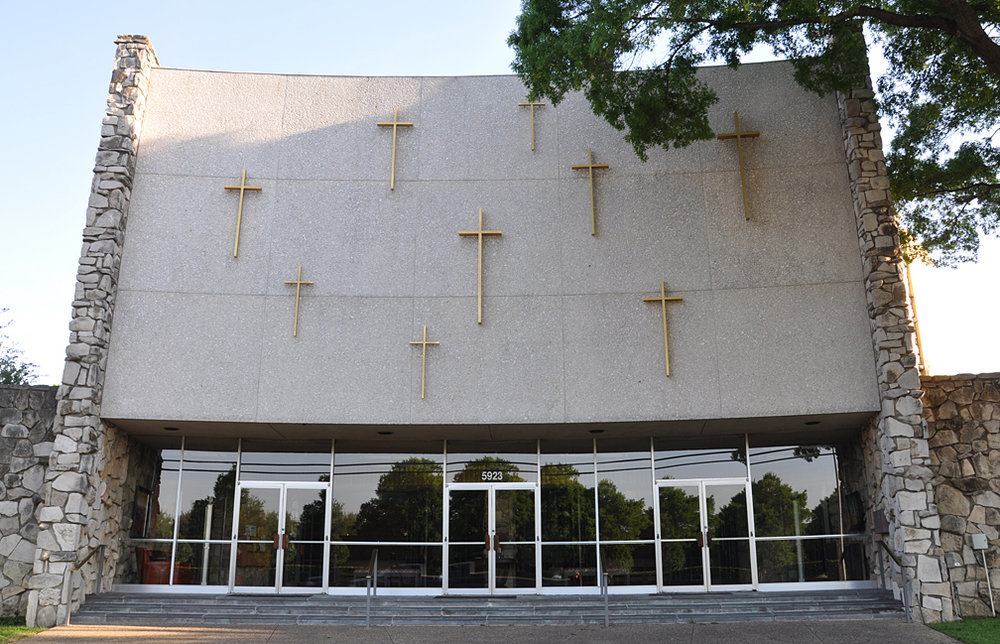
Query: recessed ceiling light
{"points": [[171, 429], [812, 422], [596, 431], [384, 433]]}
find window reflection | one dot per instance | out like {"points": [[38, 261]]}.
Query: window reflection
{"points": [[259, 464], [726, 461], [387, 497]]}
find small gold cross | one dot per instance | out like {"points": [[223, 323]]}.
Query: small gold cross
{"points": [[590, 166], [298, 290], [396, 123], [739, 136], [479, 233], [243, 187], [532, 106], [663, 299], [423, 359]]}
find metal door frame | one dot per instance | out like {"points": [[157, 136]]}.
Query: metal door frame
{"points": [[701, 484], [279, 563], [491, 491]]}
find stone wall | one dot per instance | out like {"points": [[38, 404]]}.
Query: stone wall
{"points": [[963, 423], [83, 486], [26, 437], [893, 448]]}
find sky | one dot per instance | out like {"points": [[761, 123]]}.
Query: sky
{"points": [[56, 60]]}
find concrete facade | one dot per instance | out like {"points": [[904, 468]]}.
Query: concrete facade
{"points": [[566, 337]]}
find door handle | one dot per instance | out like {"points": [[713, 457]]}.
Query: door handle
{"points": [[284, 541], [496, 542], [487, 545], [708, 537], [276, 541], [701, 539]]}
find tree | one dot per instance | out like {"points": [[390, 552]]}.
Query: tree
{"points": [[941, 91], [13, 370]]}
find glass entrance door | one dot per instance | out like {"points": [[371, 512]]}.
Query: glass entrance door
{"points": [[703, 535], [280, 537], [492, 538]]}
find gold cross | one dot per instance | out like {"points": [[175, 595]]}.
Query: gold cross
{"points": [[243, 187], [739, 136], [663, 299], [532, 106], [298, 290], [396, 123], [479, 233], [423, 360], [590, 167]]}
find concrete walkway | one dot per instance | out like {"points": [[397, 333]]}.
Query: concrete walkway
{"points": [[805, 632]]}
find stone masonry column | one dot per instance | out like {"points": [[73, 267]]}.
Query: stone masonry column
{"points": [[81, 507], [895, 443]]}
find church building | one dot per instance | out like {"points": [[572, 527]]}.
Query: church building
{"points": [[326, 320]]}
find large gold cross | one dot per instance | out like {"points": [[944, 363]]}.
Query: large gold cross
{"points": [[396, 123], [532, 106], [423, 359], [480, 233], [243, 187], [590, 166], [298, 290], [663, 299], [739, 136]]}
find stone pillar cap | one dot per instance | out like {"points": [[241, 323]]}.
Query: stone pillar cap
{"points": [[136, 38]]}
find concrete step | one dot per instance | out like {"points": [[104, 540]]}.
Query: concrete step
{"points": [[166, 609]]}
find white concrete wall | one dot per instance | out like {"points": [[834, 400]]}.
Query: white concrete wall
{"points": [[773, 320]]}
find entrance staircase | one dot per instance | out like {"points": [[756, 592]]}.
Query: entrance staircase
{"points": [[176, 609]]}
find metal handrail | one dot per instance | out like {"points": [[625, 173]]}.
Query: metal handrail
{"points": [[905, 578], [371, 586], [604, 587], [68, 577]]}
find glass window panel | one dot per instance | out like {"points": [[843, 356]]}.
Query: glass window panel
{"points": [[152, 563], [729, 561], [205, 564], [574, 565], [680, 514], [727, 510], [630, 564], [468, 566], [387, 497], [486, 462], [159, 521], [682, 564], [795, 491], [811, 560], [467, 520], [207, 486], [256, 563], [259, 465], [624, 488], [726, 461], [398, 566], [515, 565], [567, 497], [303, 566]]}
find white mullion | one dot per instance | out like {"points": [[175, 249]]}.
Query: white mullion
{"points": [[658, 555], [445, 513], [538, 520], [236, 516], [751, 518], [177, 514], [329, 517], [597, 513]]}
